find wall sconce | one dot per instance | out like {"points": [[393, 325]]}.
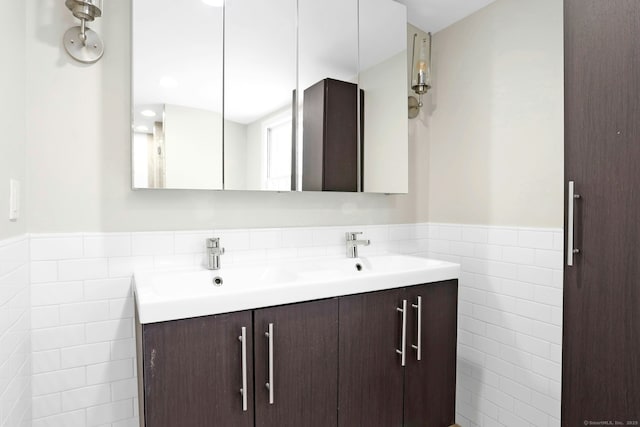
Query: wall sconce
{"points": [[420, 74], [82, 43]]}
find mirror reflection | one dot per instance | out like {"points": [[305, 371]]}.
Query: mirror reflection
{"points": [[327, 151], [383, 80], [177, 94], [260, 82], [285, 95]]}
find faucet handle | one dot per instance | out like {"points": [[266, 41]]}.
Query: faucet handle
{"points": [[353, 235]]}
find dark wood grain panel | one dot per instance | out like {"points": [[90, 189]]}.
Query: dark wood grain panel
{"points": [[313, 135], [193, 372], [430, 384], [371, 376], [341, 137], [140, 367], [330, 137], [601, 338], [305, 365]]}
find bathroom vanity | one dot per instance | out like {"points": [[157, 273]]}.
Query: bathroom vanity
{"points": [[358, 342]]}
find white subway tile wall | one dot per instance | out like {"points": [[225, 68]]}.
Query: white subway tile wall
{"points": [[82, 320], [15, 341], [509, 322]]}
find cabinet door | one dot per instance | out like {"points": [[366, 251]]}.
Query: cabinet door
{"points": [[371, 374], [430, 383], [193, 372], [601, 324], [299, 360]]}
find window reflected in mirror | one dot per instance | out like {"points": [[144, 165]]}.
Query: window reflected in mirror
{"points": [[260, 80]]}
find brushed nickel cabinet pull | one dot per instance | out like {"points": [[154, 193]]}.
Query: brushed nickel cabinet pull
{"points": [[243, 390], [269, 385], [418, 347], [403, 346], [571, 249]]}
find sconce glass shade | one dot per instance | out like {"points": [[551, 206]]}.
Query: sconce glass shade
{"points": [[86, 10], [421, 76]]}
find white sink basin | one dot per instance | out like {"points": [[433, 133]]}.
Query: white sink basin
{"points": [[198, 283], [171, 295], [389, 264]]}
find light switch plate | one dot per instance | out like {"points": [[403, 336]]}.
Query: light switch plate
{"points": [[14, 199]]}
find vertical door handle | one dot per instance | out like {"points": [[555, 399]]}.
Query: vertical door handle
{"points": [[269, 384], [403, 345], [571, 249], [243, 390], [418, 347]]}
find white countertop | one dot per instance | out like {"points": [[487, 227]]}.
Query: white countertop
{"points": [[180, 294]]}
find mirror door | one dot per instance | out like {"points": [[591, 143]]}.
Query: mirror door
{"points": [[177, 94], [260, 82], [327, 152], [285, 95], [383, 79]]}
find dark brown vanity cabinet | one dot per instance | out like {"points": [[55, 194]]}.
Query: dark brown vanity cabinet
{"points": [[296, 352], [195, 370], [398, 357], [334, 362], [430, 383], [192, 372], [371, 376]]}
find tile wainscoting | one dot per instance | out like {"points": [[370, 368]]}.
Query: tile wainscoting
{"points": [[509, 324], [15, 341]]}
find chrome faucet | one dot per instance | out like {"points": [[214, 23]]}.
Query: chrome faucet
{"points": [[353, 242], [213, 253]]}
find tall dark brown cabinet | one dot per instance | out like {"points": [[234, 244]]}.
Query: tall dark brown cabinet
{"points": [[330, 137], [601, 333]]}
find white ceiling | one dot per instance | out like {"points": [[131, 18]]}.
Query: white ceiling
{"points": [[435, 15]]}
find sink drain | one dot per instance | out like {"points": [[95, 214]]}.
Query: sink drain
{"points": [[217, 281], [359, 267]]}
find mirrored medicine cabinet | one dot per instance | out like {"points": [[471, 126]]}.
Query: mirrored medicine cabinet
{"points": [[284, 95]]}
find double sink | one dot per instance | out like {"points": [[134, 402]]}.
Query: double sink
{"points": [[179, 294]]}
